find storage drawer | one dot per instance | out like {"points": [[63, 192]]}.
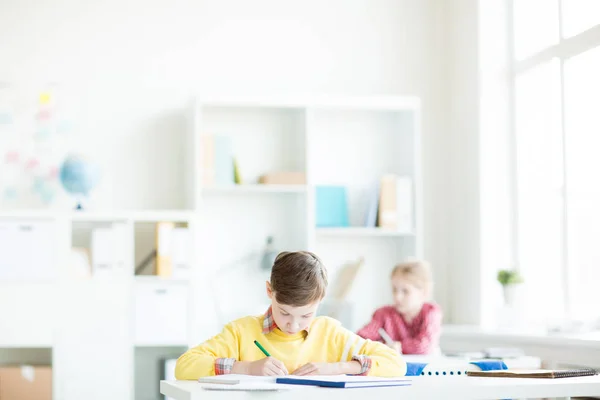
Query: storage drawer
{"points": [[161, 314], [27, 250]]}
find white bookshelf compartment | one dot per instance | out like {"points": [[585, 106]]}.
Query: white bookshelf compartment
{"points": [[150, 370], [145, 244], [355, 148], [28, 357], [233, 236], [371, 289], [107, 245], [264, 139]]}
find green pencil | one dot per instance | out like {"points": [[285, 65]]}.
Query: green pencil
{"points": [[266, 353]]}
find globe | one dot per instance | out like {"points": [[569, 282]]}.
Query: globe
{"points": [[78, 176]]}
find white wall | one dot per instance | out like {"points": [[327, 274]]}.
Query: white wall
{"points": [[478, 236], [133, 65], [463, 181]]}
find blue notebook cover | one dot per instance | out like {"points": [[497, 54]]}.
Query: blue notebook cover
{"points": [[224, 174], [344, 381]]}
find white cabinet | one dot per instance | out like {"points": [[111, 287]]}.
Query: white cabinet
{"points": [[161, 314], [27, 314], [27, 250], [93, 356]]}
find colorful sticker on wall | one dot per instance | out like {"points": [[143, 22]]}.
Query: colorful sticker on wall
{"points": [[36, 141]]}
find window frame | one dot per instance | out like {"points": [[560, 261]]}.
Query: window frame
{"points": [[566, 48]]}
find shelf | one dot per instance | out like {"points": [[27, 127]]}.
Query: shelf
{"points": [[141, 345], [154, 279], [166, 215], [255, 188], [102, 216], [361, 231], [301, 102], [4, 344]]}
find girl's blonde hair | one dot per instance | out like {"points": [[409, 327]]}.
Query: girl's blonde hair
{"points": [[417, 272]]}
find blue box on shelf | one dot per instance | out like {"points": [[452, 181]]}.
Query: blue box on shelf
{"points": [[331, 207]]}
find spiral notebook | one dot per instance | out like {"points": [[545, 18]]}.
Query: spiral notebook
{"points": [[536, 373]]}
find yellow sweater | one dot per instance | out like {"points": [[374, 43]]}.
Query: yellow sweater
{"points": [[327, 341]]}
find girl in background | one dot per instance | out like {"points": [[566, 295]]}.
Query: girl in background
{"points": [[412, 322]]}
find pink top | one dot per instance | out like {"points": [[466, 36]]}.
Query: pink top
{"points": [[420, 336]]}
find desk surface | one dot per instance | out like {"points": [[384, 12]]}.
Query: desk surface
{"points": [[462, 387]]}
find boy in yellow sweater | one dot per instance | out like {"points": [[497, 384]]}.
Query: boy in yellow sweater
{"points": [[298, 342]]}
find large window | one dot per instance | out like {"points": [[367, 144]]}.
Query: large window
{"points": [[556, 86]]}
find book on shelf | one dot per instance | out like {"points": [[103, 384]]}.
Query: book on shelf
{"points": [[373, 206], [164, 238], [217, 160], [395, 203]]}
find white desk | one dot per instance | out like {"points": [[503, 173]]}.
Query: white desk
{"points": [[462, 387], [555, 350], [463, 363]]}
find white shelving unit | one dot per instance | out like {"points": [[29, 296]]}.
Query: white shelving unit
{"points": [[92, 329], [254, 188], [360, 232]]}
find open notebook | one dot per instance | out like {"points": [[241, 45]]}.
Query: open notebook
{"points": [[536, 373], [236, 379]]}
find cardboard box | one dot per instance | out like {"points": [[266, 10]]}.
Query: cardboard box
{"points": [[26, 383], [283, 178]]}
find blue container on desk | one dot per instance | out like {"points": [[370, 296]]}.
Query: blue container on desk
{"points": [[331, 206]]}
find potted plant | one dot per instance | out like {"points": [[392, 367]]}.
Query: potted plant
{"points": [[510, 279]]}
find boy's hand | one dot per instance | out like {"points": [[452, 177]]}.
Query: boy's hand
{"points": [[318, 369], [267, 366], [339, 368]]}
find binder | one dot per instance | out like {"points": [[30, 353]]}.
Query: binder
{"points": [[164, 260], [181, 248]]}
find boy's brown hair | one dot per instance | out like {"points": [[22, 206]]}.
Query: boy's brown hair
{"points": [[298, 278]]}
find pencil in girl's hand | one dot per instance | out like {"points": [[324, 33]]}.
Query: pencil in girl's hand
{"points": [[386, 337]]}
